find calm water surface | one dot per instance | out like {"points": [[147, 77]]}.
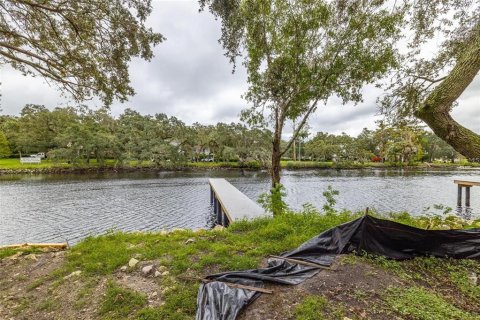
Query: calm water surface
{"points": [[49, 208]]}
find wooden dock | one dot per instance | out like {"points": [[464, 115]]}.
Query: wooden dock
{"points": [[467, 185], [230, 204]]}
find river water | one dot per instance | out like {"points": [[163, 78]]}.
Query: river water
{"points": [[51, 208]]}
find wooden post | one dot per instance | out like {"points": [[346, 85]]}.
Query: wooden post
{"points": [[212, 195], [218, 212], [459, 196], [467, 196], [226, 222]]}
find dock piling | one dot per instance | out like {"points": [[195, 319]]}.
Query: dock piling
{"points": [[467, 196], [467, 185], [459, 195]]}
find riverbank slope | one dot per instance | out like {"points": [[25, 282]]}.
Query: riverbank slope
{"points": [[156, 276]]}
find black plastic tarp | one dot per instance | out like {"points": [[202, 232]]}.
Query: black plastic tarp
{"points": [[217, 301]]}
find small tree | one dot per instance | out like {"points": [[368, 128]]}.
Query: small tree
{"points": [[298, 54]]}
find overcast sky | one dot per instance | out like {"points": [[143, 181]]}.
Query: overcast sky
{"points": [[191, 79]]}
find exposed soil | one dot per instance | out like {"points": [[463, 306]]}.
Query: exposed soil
{"points": [[346, 284], [30, 289]]}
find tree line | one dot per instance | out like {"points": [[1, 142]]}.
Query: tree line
{"points": [[80, 134]]}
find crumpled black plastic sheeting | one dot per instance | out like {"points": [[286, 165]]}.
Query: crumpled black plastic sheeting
{"points": [[389, 239], [217, 301]]}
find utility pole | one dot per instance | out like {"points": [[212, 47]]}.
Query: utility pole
{"points": [[294, 146]]}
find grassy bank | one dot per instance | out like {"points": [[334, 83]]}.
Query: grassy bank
{"points": [[12, 166], [93, 279]]}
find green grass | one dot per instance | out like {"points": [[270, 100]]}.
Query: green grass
{"points": [[120, 303], [318, 308], [14, 164], [49, 305], [7, 252], [420, 304], [311, 308], [242, 246]]}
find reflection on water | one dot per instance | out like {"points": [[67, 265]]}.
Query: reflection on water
{"points": [[70, 207]]}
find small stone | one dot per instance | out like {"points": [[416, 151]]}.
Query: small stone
{"points": [[132, 263], [157, 274], [147, 269], [191, 240], [123, 268], [31, 256], [165, 273], [154, 294], [73, 274], [219, 228], [15, 256], [473, 278], [162, 268]]}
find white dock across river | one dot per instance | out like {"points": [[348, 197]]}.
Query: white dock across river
{"points": [[230, 205]]}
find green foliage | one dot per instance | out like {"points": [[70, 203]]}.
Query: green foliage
{"points": [[7, 253], [82, 46], [318, 308], [418, 75], [273, 201], [120, 303], [82, 137], [300, 53], [434, 221], [330, 194], [311, 308], [4, 147], [419, 303]]}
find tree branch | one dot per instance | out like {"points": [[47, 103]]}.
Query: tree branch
{"points": [[312, 108]]}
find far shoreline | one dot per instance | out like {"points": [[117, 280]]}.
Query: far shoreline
{"points": [[64, 168]]}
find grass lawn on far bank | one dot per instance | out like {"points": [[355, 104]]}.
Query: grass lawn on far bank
{"points": [[95, 280], [12, 165]]}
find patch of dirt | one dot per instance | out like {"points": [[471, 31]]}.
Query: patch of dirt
{"points": [[30, 289], [344, 284], [146, 284]]}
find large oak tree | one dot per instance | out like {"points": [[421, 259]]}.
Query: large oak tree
{"points": [[428, 85], [82, 46]]}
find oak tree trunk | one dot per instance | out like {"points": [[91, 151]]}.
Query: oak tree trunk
{"points": [[438, 105]]}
